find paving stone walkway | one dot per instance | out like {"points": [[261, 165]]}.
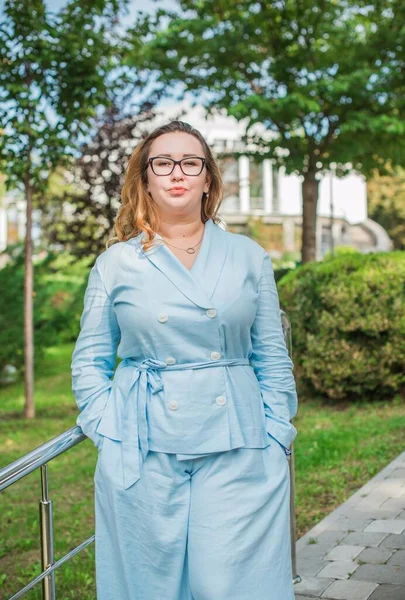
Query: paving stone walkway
{"points": [[358, 551]]}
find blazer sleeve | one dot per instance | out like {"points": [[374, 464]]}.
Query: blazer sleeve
{"points": [[271, 362], [94, 355]]}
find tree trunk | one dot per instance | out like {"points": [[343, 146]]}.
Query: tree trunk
{"points": [[310, 192], [29, 410]]}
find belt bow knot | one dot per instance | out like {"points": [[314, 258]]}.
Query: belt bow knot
{"points": [[146, 381]]}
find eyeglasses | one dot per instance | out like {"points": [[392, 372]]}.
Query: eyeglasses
{"points": [[192, 165]]}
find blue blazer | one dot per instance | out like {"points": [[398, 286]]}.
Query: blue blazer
{"points": [[204, 364]]}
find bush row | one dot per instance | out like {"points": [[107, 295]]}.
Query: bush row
{"points": [[348, 325]]}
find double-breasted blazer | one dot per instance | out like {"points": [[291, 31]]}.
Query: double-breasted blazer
{"points": [[204, 366]]}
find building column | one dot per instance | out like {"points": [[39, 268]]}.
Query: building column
{"points": [[244, 184], [289, 235], [267, 186], [3, 228], [276, 184], [318, 236], [337, 234]]}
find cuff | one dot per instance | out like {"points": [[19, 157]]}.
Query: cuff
{"points": [[283, 431]]}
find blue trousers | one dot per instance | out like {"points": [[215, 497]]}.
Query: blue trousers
{"points": [[208, 528]]}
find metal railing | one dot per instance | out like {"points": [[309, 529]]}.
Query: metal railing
{"points": [[39, 458]]}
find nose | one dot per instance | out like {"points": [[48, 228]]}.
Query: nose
{"points": [[177, 173]]}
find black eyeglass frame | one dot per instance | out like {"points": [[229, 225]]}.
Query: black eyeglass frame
{"points": [[177, 162]]}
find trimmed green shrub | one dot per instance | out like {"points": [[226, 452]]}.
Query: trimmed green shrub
{"points": [[348, 325], [341, 251]]}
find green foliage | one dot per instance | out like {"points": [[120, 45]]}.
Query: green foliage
{"points": [[59, 285], [340, 251], [281, 64], [348, 325], [53, 78]]}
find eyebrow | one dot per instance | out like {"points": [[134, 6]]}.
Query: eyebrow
{"points": [[169, 155]]}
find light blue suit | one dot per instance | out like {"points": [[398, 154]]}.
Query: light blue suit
{"points": [[204, 370]]}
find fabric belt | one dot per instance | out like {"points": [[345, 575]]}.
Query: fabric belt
{"points": [[145, 382]]}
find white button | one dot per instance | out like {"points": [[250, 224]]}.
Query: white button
{"points": [[211, 313], [173, 405], [170, 360], [215, 355], [220, 400], [162, 318]]}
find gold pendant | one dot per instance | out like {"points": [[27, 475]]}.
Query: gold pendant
{"points": [[190, 251]]}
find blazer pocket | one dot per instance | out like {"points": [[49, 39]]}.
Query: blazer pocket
{"points": [[287, 451]]}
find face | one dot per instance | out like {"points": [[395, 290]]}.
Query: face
{"points": [[177, 194]]}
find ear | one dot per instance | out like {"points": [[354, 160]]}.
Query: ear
{"points": [[207, 183]]}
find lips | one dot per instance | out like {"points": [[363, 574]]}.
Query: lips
{"points": [[178, 191]]}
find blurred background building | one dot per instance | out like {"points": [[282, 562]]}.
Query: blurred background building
{"points": [[257, 197]]}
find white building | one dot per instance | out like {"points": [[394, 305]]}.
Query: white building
{"points": [[13, 220]]}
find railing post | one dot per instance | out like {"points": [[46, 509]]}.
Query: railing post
{"points": [[293, 532], [46, 527]]}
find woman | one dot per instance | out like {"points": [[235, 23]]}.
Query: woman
{"points": [[193, 432]]}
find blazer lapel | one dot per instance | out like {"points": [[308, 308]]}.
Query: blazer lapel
{"points": [[199, 283], [210, 261]]}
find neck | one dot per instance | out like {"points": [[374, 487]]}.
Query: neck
{"points": [[181, 230]]}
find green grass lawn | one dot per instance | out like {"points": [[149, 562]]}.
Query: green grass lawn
{"points": [[337, 450]]}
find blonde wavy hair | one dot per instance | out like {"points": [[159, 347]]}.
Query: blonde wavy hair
{"points": [[138, 211]]}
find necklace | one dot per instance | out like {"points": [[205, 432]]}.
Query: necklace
{"points": [[189, 250]]}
